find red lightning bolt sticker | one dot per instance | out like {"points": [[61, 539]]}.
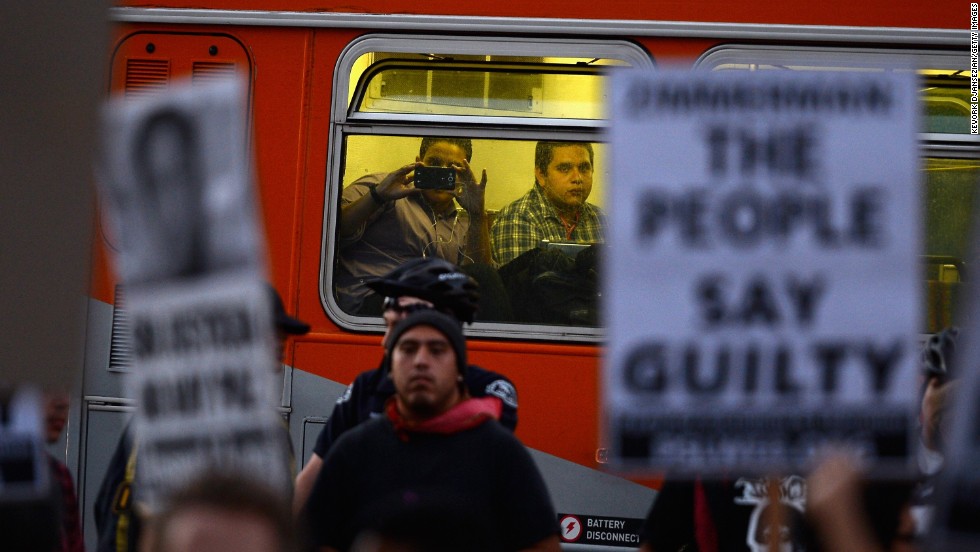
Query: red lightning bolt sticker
{"points": [[571, 528]]}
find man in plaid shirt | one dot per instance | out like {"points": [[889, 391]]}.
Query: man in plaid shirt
{"points": [[555, 208]]}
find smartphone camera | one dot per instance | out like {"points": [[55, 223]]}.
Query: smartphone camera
{"points": [[435, 178]]}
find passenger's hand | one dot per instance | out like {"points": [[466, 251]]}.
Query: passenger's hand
{"points": [[469, 193], [399, 183]]}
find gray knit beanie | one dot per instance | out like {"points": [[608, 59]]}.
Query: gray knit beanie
{"points": [[446, 325]]}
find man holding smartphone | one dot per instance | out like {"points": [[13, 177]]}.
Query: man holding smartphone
{"points": [[414, 211]]}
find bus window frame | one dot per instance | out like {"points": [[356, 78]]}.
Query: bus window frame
{"points": [[849, 57], [623, 50], [344, 122], [845, 56], [355, 114]]}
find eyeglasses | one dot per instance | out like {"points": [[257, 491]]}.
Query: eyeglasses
{"points": [[391, 303]]}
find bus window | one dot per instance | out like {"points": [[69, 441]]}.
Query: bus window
{"points": [[557, 290], [951, 173], [494, 108], [950, 197], [946, 95]]}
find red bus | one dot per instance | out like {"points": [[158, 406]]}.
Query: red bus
{"points": [[337, 91]]}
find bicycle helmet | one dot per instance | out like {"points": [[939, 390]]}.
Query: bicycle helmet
{"points": [[437, 281], [938, 352]]}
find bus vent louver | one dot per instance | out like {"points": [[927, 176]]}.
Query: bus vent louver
{"points": [[146, 77], [120, 351], [210, 71]]}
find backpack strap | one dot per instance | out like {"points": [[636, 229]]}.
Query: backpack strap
{"points": [[122, 504]]}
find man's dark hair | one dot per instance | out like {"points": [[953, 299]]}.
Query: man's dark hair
{"points": [[544, 152], [464, 144], [231, 494]]}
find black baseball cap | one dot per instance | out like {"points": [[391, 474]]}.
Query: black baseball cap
{"points": [[283, 321]]}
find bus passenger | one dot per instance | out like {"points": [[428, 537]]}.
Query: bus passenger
{"points": [[556, 206], [418, 284], [386, 220], [432, 440]]}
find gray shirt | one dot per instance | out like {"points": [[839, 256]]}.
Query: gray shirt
{"points": [[404, 229]]}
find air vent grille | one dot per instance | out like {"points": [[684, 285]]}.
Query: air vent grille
{"points": [[210, 71], [120, 350], [146, 77]]}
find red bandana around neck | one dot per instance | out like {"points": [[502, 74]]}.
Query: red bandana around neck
{"points": [[465, 415]]}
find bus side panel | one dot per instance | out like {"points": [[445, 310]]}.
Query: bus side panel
{"points": [[558, 400], [677, 53], [327, 46], [278, 100], [278, 110]]}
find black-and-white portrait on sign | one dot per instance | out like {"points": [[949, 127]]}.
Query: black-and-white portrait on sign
{"points": [[176, 183]]}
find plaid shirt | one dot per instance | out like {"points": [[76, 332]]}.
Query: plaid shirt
{"points": [[521, 226]]}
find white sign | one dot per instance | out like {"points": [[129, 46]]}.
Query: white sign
{"points": [[177, 181], [762, 279], [205, 385]]}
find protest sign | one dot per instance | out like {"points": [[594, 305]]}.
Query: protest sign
{"points": [[204, 384], [761, 285], [176, 184], [176, 179]]}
